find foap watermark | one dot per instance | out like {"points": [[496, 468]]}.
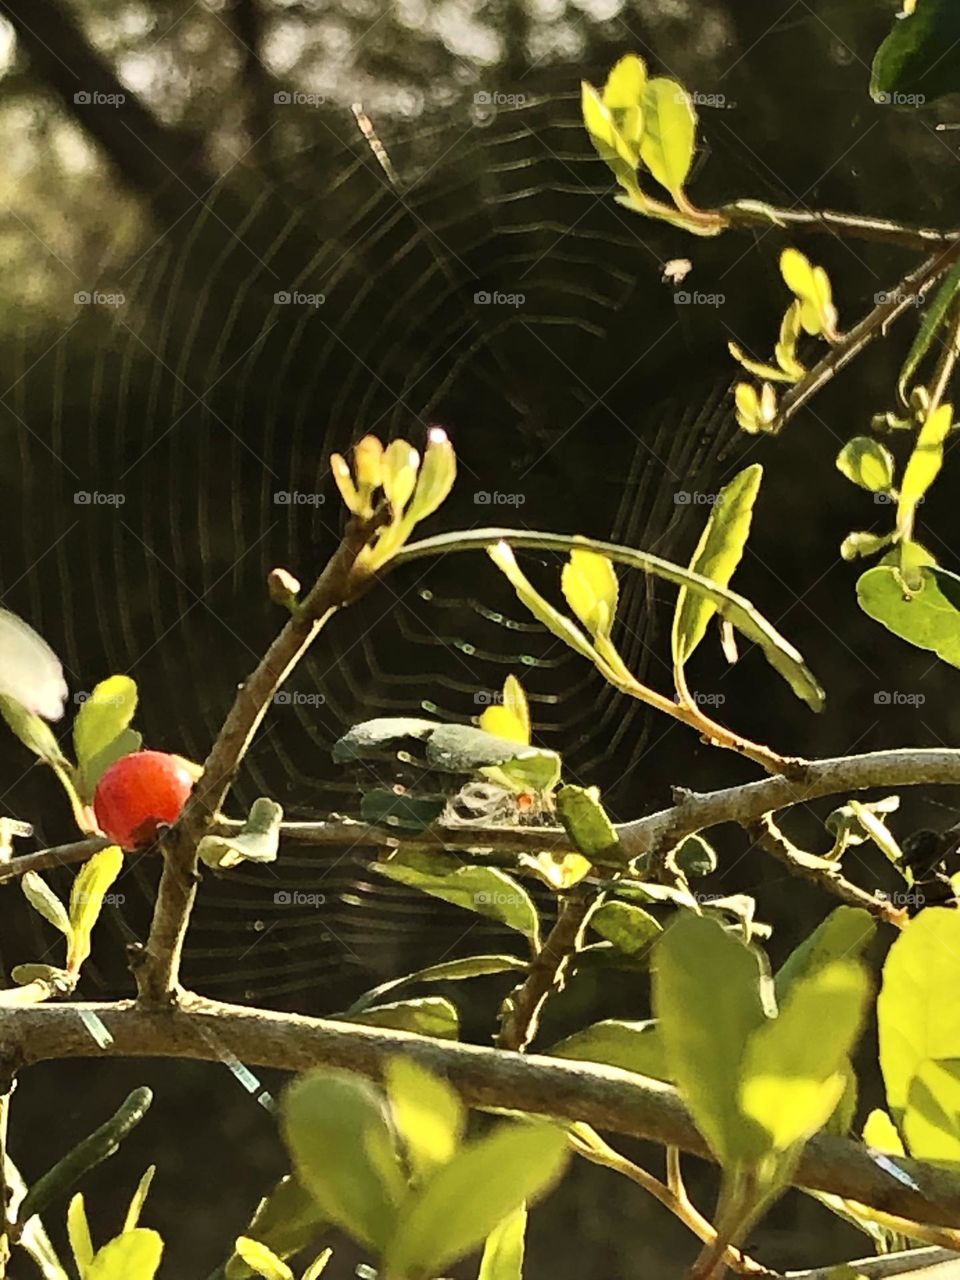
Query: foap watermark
{"points": [[897, 297], [488, 698], [903, 897], [297, 898], [114, 700], [900, 99], [496, 898], [108, 899], [684, 298], [483, 98], [297, 98], [86, 498], [297, 498], [482, 298], [897, 698], [97, 298], [296, 698], [701, 699], [718, 101], [486, 498], [694, 498], [94, 98], [294, 298]]}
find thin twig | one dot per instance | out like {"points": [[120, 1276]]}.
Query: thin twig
{"points": [[158, 967], [546, 974], [606, 1098], [766, 835], [748, 214], [912, 1262], [874, 323]]}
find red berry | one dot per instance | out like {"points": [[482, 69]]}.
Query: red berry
{"points": [[138, 792]]}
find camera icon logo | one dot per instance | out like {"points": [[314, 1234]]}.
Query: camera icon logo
{"points": [[482, 498], [482, 99], [82, 98], [681, 498], [82, 498], [282, 299], [482, 298], [882, 698], [82, 299], [681, 298], [283, 699], [282, 898], [282, 498], [282, 98]]}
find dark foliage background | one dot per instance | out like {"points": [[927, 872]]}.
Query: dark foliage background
{"points": [[594, 403]]}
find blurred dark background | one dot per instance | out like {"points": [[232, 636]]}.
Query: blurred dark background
{"points": [[210, 282]]}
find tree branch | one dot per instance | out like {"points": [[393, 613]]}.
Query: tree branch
{"points": [[749, 213], [604, 1097], [157, 968], [913, 1262]]}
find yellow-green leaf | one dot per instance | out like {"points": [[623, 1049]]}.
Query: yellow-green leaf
{"points": [[261, 1260], [755, 412], [811, 285], [34, 733], [880, 1132], [511, 719], [931, 1122], [623, 97], [43, 900], [103, 716], [772, 373], [669, 133], [867, 463], [586, 822], [400, 462], [590, 587], [609, 143], [133, 1256], [78, 1231], [503, 1250], [86, 900], [718, 553], [786, 348], [923, 466], [427, 1114]]}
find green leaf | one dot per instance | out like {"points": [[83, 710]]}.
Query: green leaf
{"points": [[590, 588], [487, 891], [919, 60], [718, 553], [878, 831], [610, 144], [261, 1260], [867, 463], [708, 1000], [133, 1256], [933, 318], [694, 857], [795, 1068], [103, 716], [139, 1199], [504, 1247], [766, 372], [33, 732], [756, 411], [386, 733], [921, 978], [426, 1016], [460, 748], [487, 1181], [811, 285], [623, 98], [287, 1219], [383, 807], [845, 934], [78, 1231], [58, 979], [734, 608], [631, 1046], [928, 618], [511, 719], [43, 900], [86, 900], [630, 929], [318, 1265], [931, 1123], [863, 544], [427, 1114], [447, 971], [93, 769], [669, 134], [336, 1128], [923, 466], [258, 840], [30, 672], [586, 823]]}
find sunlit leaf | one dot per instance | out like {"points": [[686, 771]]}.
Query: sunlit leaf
{"points": [[586, 822], [880, 1132], [708, 1000], [258, 840], [504, 1248], [669, 134], [78, 1231], [446, 971], [589, 583], [105, 714], [262, 1260], [133, 1256], [43, 900], [86, 900], [610, 144], [632, 1046], [33, 732], [139, 1199], [336, 1128], [843, 935], [30, 672], [811, 285], [931, 1122], [95, 766], [287, 1219], [630, 929], [933, 318], [694, 857], [487, 1181], [863, 544], [427, 1114], [426, 1016], [511, 719], [718, 553], [928, 618], [623, 96], [756, 411], [923, 466], [868, 463]]}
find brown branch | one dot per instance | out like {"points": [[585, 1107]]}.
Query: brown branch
{"points": [[604, 1097], [157, 968], [909, 1264], [547, 971], [748, 214], [766, 835], [874, 323]]}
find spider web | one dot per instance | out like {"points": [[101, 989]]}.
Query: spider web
{"points": [[204, 398]]}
